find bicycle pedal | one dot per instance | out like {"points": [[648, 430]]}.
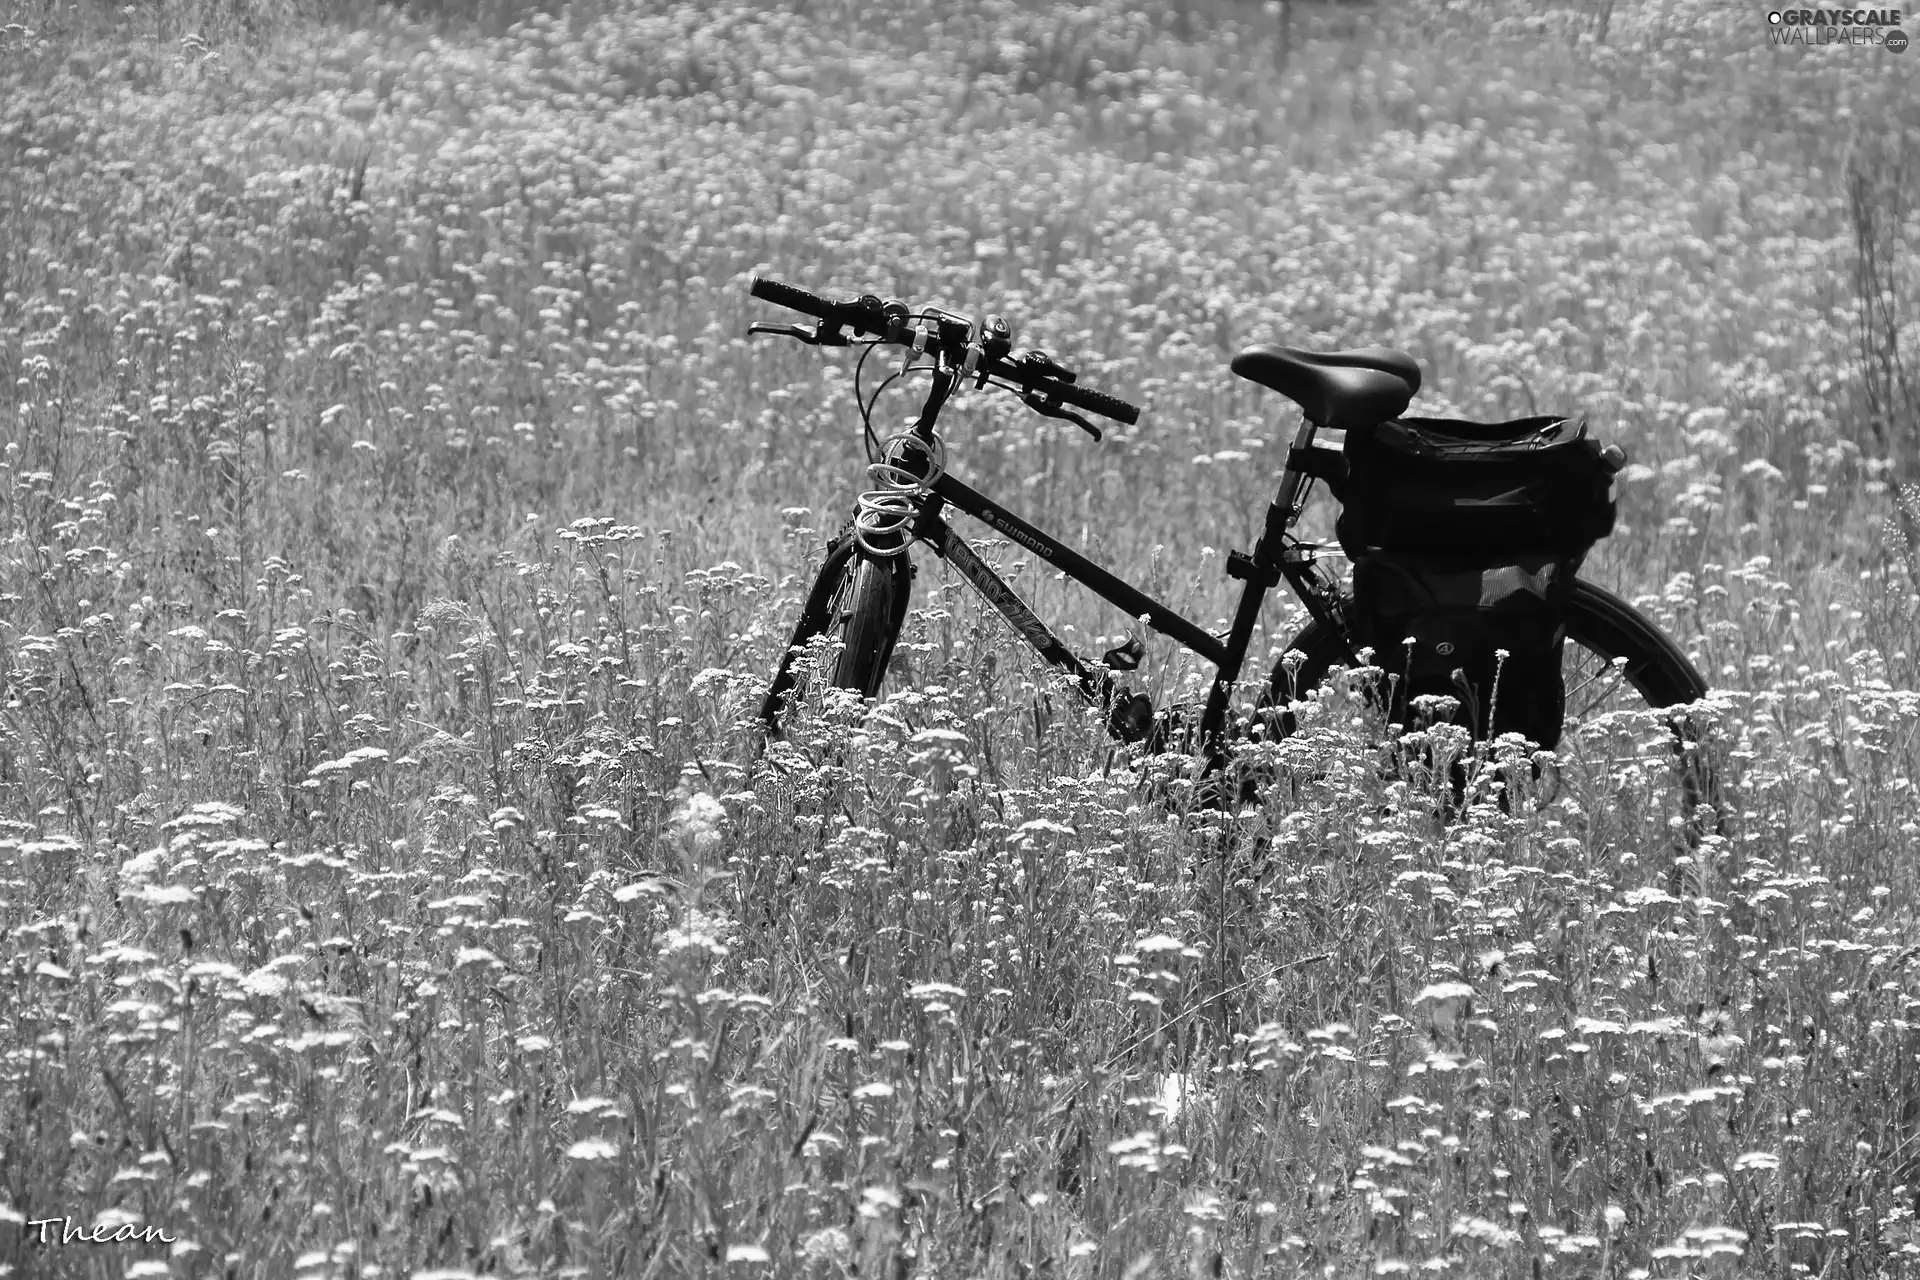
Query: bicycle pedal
{"points": [[1126, 657]]}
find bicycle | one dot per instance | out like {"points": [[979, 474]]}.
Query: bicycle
{"points": [[861, 592]]}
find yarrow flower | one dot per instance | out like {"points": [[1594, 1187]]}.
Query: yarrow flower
{"points": [[696, 822]]}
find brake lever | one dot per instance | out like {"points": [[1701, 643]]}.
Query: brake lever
{"points": [[820, 335], [1048, 406], [799, 331]]}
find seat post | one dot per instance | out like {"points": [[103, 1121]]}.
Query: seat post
{"points": [[1286, 504]]}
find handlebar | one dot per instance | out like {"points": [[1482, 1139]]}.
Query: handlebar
{"points": [[979, 350]]}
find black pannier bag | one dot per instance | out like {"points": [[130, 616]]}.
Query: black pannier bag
{"points": [[1465, 539]]}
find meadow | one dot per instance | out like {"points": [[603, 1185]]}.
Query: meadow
{"points": [[397, 528]]}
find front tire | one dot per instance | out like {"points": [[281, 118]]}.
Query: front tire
{"points": [[857, 599], [865, 619]]}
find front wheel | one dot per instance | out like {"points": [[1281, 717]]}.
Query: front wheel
{"points": [[857, 599]]}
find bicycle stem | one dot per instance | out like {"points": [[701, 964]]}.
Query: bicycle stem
{"points": [[944, 382]]}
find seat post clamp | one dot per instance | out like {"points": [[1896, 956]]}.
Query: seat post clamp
{"points": [[1246, 568]]}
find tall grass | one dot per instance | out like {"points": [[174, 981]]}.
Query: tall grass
{"points": [[399, 527]]}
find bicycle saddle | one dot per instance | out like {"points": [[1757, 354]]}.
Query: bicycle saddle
{"points": [[1338, 390]]}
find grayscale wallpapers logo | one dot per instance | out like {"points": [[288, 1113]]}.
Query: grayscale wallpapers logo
{"points": [[1838, 26]]}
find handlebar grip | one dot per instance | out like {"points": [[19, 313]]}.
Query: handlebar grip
{"points": [[793, 297], [1097, 402]]}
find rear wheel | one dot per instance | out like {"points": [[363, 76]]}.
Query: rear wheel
{"points": [[1614, 660], [859, 600]]}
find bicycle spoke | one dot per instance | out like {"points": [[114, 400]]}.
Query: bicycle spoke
{"points": [[1595, 687]]}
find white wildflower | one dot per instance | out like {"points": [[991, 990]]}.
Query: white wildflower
{"points": [[695, 823]]}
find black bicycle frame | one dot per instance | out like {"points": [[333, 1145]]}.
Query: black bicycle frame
{"points": [[1274, 558]]}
